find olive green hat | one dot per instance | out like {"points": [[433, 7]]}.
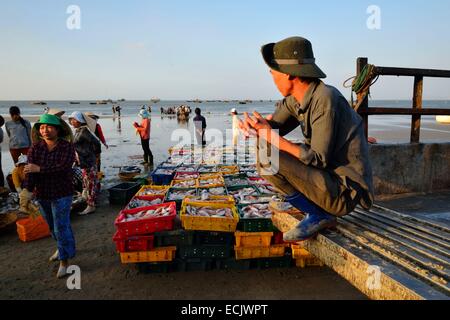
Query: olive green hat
{"points": [[50, 119], [293, 56]]}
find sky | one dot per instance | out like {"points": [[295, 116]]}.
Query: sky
{"points": [[178, 50]]}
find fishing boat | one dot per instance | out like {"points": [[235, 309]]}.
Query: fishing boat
{"points": [[39, 103], [73, 102], [443, 119]]}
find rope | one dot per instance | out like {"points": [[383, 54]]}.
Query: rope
{"points": [[361, 83]]}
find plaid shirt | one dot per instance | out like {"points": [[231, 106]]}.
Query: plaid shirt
{"points": [[55, 179]]}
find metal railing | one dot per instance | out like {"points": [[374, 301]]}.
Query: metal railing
{"points": [[417, 110]]}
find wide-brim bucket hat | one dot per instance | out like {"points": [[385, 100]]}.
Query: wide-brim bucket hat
{"points": [[65, 130], [84, 119], [293, 56]]}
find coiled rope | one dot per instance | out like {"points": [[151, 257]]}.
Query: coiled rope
{"points": [[361, 84]]}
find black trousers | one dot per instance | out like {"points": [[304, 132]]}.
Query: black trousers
{"points": [[148, 155]]}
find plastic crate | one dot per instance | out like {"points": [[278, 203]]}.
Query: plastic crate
{"points": [[146, 226], [204, 251], [121, 194], [209, 223], [213, 238], [253, 224], [155, 191], [271, 263], [187, 265], [277, 237], [253, 239], [162, 179], [228, 169], [233, 264], [224, 192], [180, 175], [180, 201], [259, 252], [156, 255], [206, 177], [147, 198], [174, 238], [177, 184], [256, 193], [30, 229], [229, 178], [133, 243], [210, 200]]}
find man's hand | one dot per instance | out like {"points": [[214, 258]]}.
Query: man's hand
{"points": [[32, 168], [260, 125]]}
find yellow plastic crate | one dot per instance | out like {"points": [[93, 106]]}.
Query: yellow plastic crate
{"points": [[211, 176], [173, 184], [211, 200], [209, 223], [303, 258], [260, 252], [228, 169], [162, 190], [253, 239], [163, 254]]}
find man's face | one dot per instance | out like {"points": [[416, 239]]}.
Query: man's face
{"points": [[15, 117], [282, 81], [48, 132]]}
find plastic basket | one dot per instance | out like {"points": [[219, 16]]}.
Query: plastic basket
{"points": [[162, 179], [192, 175], [177, 183], [30, 229], [259, 252], [147, 198], [204, 251], [228, 169], [229, 178], [146, 226], [256, 194], [194, 264], [211, 200], [156, 255], [121, 194], [180, 201], [253, 224], [133, 243], [208, 177], [253, 239], [269, 263], [233, 264], [209, 223], [155, 191], [174, 238]]}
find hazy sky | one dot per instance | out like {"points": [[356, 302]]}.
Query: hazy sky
{"points": [[209, 49]]}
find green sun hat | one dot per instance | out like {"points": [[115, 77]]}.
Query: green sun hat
{"points": [[49, 119]]}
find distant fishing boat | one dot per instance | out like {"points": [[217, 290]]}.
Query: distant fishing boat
{"points": [[121, 100], [443, 119], [39, 103], [242, 102], [73, 102]]}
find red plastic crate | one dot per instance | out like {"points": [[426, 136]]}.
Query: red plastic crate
{"points": [[133, 243], [146, 226]]}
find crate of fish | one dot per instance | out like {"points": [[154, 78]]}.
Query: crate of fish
{"points": [[187, 168], [151, 191], [186, 175], [205, 251], [209, 216], [236, 180], [267, 190], [163, 254], [255, 217], [243, 253], [227, 169], [233, 264], [169, 164], [275, 263], [245, 194], [253, 174], [184, 183], [146, 220], [161, 176], [139, 202], [210, 181], [174, 238], [133, 243], [178, 194], [194, 264], [244, 168], [217, 191], [253, 239], [206, 199], [207, 169]]}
